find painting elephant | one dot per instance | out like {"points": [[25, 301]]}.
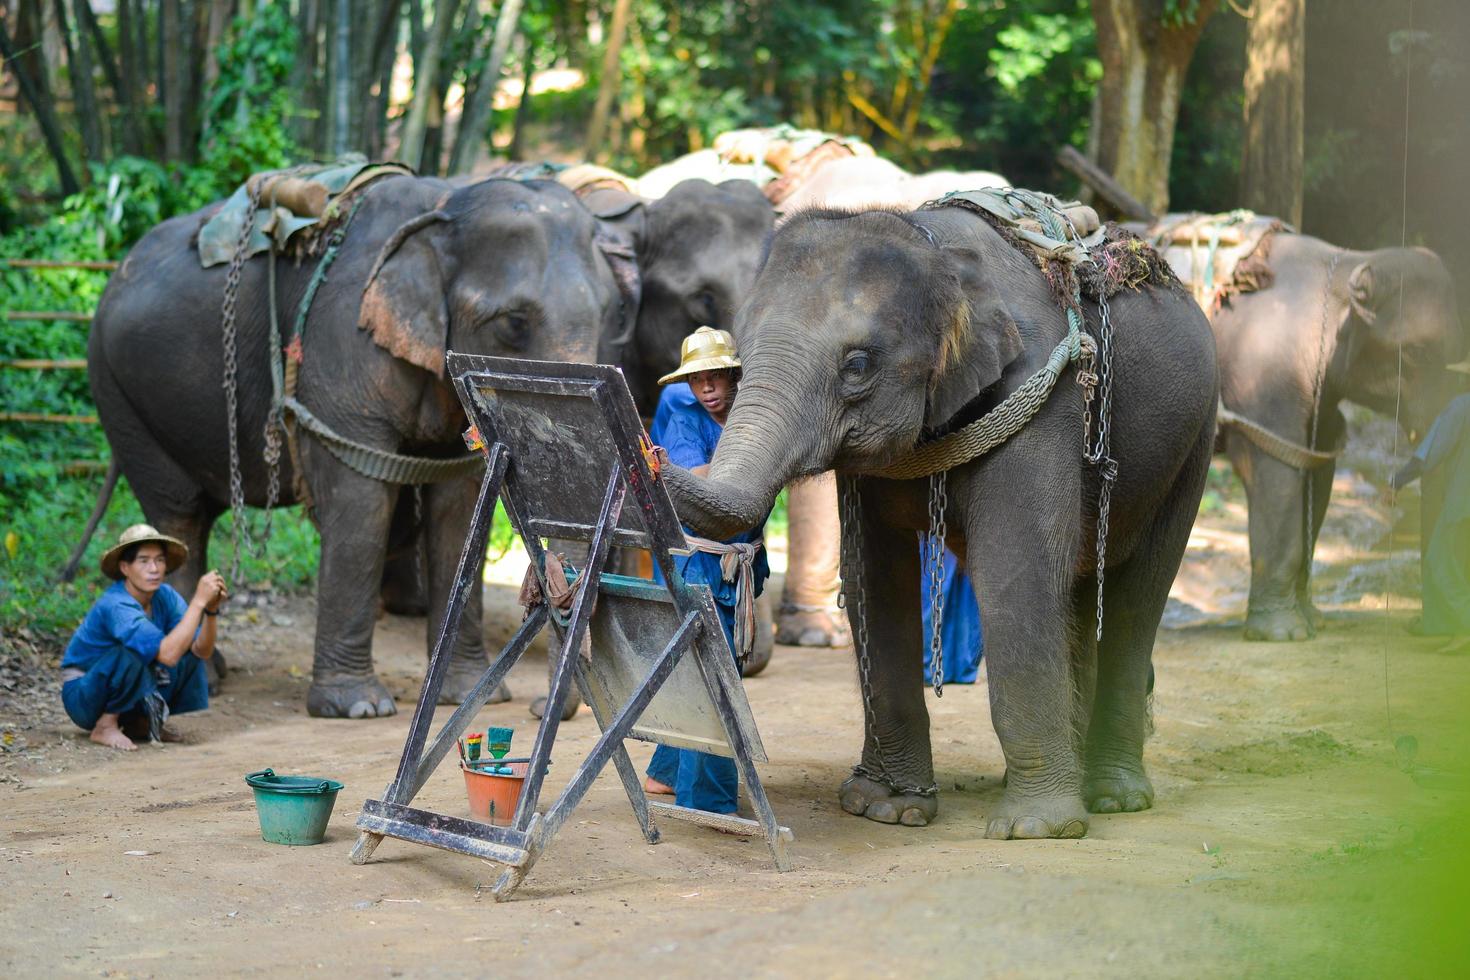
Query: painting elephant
{"points": [[498, 267], [1333, 320], [868, 332], [808, 615]]}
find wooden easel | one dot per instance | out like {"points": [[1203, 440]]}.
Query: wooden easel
{"points": [[564, 451]]}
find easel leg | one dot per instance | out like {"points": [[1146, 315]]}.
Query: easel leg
{"points": [[362, 851], [626, 772]]}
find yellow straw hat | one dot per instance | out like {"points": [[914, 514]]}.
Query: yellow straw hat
{"points": [[175, 551], [704, 350]]}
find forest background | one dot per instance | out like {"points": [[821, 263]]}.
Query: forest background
{"points": [[1348, 116]]}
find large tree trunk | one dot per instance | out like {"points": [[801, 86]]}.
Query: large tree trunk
{"points": [[171, 41], [1275, 88], [219, 21], [611, 77], [342, 78], [479, 102], [84, 93], [1144, 63], [523, 107], [39, 99], [425, 84]]}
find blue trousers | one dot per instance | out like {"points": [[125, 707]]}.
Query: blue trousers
{"points": [[701, 781], [118, 682], [959, 634]]}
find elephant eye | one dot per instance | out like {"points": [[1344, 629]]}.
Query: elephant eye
{"points": [[855, 365], [706, 312], [513, 329]]}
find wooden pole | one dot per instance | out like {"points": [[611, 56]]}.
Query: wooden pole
{"points": [[1107, 188]]}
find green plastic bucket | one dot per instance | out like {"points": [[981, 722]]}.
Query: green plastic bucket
{"points": [[293, 809]]}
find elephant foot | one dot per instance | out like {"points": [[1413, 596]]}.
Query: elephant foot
{"points": [[461, 680], [1022, 816], [1314, 616], [1278, 626], [1114, 790], [864, 797], [349, 697], [805, 626]]}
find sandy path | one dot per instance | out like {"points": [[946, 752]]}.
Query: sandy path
{"points": [[1283, 839]]}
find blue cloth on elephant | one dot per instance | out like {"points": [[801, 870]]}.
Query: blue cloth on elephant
{"points": [[1444, 456], [116, 649], [689, 435], [959, 633]]}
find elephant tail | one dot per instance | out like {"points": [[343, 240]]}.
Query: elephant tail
{"points": [[104, 497]]}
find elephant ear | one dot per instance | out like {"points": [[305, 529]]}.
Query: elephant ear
{"points": [[1361, 293], [405, 302], [618, 239], [979, 338]]}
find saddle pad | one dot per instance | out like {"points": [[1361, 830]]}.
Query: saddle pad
{"points": [[1217, 255]]}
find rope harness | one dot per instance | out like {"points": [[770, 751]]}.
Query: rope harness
{"points": [[1097, 263], [286, 413], [737, 564]]}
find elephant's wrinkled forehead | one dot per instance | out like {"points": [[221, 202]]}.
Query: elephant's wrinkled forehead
{"points": [[871, 262]]}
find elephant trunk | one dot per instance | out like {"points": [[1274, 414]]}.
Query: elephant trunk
{"points": [[760, 451]]}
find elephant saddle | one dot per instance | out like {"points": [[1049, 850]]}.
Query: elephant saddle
{"points": [[795, 154], [1218, 255], [294, 206]]}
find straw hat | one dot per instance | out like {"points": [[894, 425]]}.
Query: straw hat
{"points": [[704, 350], [1463, 367], [175, 551]]}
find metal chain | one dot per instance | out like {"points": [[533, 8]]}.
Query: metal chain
{"points": [[418, 539], [275, 423], [1309, 533], [1099, 453], [230, 382], [850, 504], [938, 502]]}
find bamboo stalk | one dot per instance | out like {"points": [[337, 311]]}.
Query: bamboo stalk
{"points": [[34, 315], [47, 417], [39, 364]]}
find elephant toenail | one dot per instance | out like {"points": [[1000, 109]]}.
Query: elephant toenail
{"points": [[1136, 802], [360, 709], [1106, 804], [385, 707], [998, 830], [914, 817], [883, 812], [1074, 829], [1030, 828]]}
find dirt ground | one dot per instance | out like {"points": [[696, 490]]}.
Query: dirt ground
{"points": [[1288, 833]]}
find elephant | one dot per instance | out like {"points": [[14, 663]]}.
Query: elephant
{"points": [[1334, 321], [867, 332], [497, 267], [808, 615]]}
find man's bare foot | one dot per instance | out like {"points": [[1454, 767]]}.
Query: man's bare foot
{"points": [[653, 787], [107, 733]]}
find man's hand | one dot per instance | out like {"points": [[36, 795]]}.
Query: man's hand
{"points": [[211, 591]]}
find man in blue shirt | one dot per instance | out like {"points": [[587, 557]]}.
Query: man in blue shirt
{"points": [[687, 427], [139, 654]]}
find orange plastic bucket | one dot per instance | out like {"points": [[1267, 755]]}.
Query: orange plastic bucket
{"points": [[493, 798]]}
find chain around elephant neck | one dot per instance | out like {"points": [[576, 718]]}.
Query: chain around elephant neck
{"points": [[938, 501]]}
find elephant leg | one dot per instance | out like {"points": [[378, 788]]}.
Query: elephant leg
{"points": [[893, 783], [448, 508], [353, 513], [404, 592], [1321, 479], [808, 615], [1276, 496], [1031, 642], [1135, 594]]}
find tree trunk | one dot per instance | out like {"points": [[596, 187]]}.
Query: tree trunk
{"points": [[607, 87], [219, 20], [87, 21], [342, 78], [1144, 63], [477, 111], [379, 74], [1275, 87], [39, 99], [128, 93], [425, 84], [523, 107], [84, 94], [171, 41]]}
